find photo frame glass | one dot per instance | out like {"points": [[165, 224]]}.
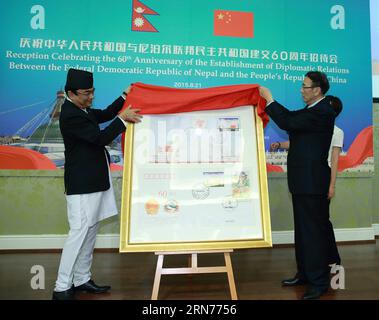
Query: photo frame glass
{"points": [[195, 181]]}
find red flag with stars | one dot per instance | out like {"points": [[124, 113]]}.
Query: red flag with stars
{"points": [[139, 22], [233, 24]]}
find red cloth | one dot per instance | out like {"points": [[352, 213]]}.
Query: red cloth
{"points": [[23, 159], [164, 100], [361, 149], [153, 99]]}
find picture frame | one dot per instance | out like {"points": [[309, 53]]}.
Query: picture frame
{"points": [[195, 181]]}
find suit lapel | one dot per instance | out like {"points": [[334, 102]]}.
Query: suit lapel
{"points": [[91, 116], [82, 113]]}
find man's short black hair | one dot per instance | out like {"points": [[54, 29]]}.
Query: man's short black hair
{"points": [[319, 79], [72, 90], [336, 104]]}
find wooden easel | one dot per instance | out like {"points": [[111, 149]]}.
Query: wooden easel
{"points": [[193, 268]]}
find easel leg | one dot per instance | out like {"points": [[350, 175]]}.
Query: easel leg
{"points": [[193, 268], [229, 270], [157, 279]]}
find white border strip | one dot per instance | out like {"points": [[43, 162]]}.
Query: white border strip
{"points": [[342, 235], [53, 241]]}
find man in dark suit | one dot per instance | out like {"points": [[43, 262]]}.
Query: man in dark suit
{"points": [[88, 186], [310, 132]]}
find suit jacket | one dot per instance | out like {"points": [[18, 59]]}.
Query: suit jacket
{"points": [[86, 168], [310, 133]]}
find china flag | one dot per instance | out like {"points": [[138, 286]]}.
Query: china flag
{"points": [[139, 22], [233, 24]]}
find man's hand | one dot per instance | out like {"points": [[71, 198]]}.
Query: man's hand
{"points": [[274, 146], [266, 94], [331, 192], [130, 115], [127, 90]]}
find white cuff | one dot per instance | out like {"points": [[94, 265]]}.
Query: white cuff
{"points": [[124, 122]]}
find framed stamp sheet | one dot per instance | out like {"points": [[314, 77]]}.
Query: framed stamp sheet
{"points": [[195, 181]]}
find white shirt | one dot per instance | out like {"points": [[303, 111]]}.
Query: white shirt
{"points": [[314, 103], [337, 141], [96, 206]]}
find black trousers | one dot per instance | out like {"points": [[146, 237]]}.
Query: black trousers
{"points": [[315, 244]]}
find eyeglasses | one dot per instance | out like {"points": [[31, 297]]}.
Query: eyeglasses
{"points": [[310, 87], [87, 93]]}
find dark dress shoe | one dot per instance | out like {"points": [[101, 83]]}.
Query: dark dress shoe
{"points": [[92, 287], [293, 282], [64, 295], [314, 293]]}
